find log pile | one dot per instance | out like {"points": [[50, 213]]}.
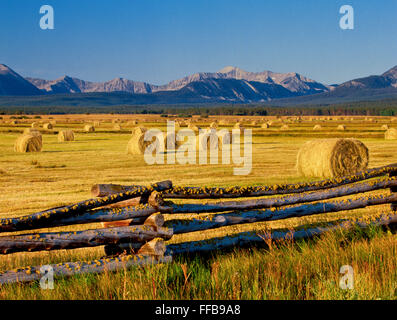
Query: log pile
{"points": [[130, 225], [134, 231], [80, 239]]}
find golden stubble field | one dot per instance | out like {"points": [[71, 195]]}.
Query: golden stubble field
{"points": [[63, 173]]}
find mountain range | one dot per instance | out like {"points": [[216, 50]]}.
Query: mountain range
{"points": [[12, 84], [294, 84], [229, 85]]}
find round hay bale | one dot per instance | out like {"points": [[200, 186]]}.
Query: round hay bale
{"points": [[385, 127], [391, 134], [33, 132], [34, 125], [65, 135], [285, 127], [139, 130], [224, 137], [177, 125], [28, 143], [14, 122], [137, 144], [193, 127], [214, 125], [171, 137], [265, 126], [329, 158], [117, 127], [89, 128], [208, 140], [183, 123], [239, 126], [254, 123], [47, 126], [341, 127], [317, 127]]}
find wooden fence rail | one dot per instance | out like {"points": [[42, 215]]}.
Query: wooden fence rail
{"points": [[237, 217], [134, 222], [178, 192], [285, 200], [137, 215], [80, 239], [261, 239]]}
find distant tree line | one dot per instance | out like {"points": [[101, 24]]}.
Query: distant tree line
{"points": [[366, 108]]}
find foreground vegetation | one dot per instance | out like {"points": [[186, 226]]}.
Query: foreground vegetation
{"points": [[63, 173], [288, 270]]}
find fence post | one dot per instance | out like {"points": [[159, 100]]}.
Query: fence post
{"points": [[117, 249], [393, 190]]}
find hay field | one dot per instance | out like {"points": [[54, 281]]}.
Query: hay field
{"points": [[64, 172]]}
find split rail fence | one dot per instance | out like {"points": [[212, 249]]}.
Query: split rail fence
{"points": [[134, 229]]}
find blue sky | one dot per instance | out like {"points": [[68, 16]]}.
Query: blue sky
{"points": [[161, 40]]}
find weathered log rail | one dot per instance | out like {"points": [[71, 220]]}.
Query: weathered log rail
{"points": [[137, 215], [285, 200], [80, 239], [133, 220], [237, 217], [42, 219], [261, 239], [178, 192]]}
